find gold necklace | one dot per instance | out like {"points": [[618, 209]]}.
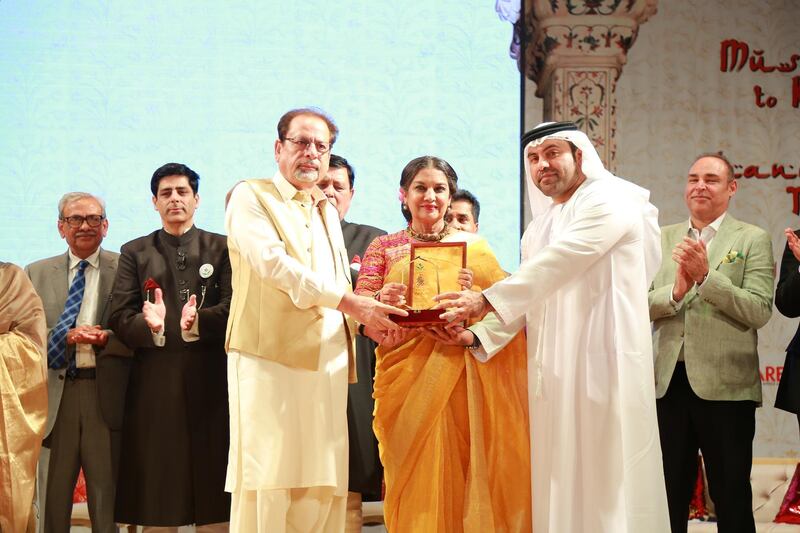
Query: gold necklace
{"points": [[428, 237]]}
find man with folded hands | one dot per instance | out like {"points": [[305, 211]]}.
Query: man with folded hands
{"points": [[75, 288]]}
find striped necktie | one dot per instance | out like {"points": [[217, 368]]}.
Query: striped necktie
{"points": [[57, 346]]}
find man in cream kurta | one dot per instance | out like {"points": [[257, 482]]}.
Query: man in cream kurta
{"points": [[289, 341], [589, 255]]}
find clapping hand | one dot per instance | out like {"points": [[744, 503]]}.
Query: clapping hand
{"points": [[691, 255], [189, 313], [793, 241], [683, 282], [154, 312]]}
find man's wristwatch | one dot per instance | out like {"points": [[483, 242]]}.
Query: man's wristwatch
{"points": [[476, 342]]}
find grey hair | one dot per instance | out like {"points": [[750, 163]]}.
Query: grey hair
{"points": [[74, 197]]}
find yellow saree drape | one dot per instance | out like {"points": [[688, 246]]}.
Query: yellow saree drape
{"points": [[453, 432], [23, 395]]}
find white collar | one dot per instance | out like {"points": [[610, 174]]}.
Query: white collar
{"points": [[714, 225], [93, 259]]}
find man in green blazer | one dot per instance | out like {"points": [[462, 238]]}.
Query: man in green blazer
{"points": [[712, 293]]}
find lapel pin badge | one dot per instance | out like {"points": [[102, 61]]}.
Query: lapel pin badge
{"points": [[206, 270]]}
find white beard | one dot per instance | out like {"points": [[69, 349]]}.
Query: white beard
{"points": [[307, 176]]}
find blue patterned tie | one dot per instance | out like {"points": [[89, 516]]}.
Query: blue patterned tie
{"points": [[57, 345]]}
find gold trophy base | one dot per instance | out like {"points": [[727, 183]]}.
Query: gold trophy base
{"points": [[419, 317]]}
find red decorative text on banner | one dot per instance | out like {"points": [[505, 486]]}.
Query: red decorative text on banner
{"points": [[734, 55]]}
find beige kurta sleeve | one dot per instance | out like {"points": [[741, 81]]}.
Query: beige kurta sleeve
{"points": [[23, 394]]}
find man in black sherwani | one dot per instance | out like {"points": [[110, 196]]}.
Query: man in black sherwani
{"points": [[170, 305], [366, 472]]}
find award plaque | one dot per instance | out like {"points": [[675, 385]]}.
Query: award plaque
{"points": [[433, 269]]}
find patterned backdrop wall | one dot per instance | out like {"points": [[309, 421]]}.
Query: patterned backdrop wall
{"points": [[95, 95], [706, 75], [675, 101]]}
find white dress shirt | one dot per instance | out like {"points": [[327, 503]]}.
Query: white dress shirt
{"points": [[84, 353]]}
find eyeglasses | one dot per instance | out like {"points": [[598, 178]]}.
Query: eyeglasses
{"points": [[76, 221], [304, 144]]}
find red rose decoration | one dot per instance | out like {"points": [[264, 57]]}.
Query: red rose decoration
{"points": [[697, 505], [149, 285], [789, 512], [79, 494]]}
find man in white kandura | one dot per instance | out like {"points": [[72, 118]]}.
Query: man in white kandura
{"points": [[589, 255]]}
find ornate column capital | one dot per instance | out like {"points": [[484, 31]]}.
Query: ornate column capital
{"points": [[580, 33], [575, 52]]}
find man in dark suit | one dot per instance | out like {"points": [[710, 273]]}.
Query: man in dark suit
{"points": [[366, 472], [711, 295], [75, 288], [171, 299], [787, 300]]}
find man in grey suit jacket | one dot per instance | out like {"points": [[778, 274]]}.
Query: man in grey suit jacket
{"points": [[75, 434], [711, 295]]}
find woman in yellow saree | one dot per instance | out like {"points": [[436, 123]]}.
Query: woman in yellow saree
{"points": [[452, 431]]}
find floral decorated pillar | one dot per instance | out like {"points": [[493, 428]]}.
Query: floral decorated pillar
{"points": [[575, 52]]}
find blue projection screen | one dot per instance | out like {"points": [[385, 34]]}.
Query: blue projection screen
{"points": [[94, 96]]}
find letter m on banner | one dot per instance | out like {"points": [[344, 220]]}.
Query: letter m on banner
{"points": [[732, 52]]}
